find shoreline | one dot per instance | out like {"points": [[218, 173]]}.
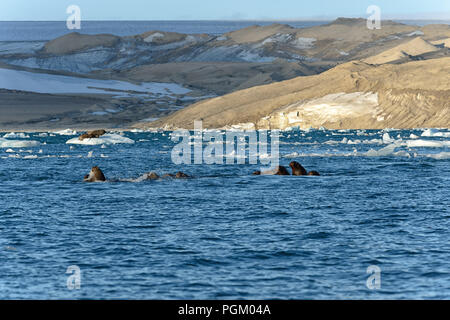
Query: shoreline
{"points": [[80, 130]]}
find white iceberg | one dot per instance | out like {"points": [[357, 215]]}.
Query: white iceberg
{"points": [[66, 132], [386, 151], [439, 156], [435, 133], [105, 139], [5, 143], [387, 138], [427, 143], [19, 135]]}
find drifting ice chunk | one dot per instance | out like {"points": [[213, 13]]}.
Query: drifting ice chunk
{"points": [[387, 138], [105, 139], [19, 135], [427, 143], [435, 133], [382, 152], [439, 156], [4, 143], [66, 132]]}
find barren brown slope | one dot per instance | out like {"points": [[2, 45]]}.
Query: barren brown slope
{"points": [[414, 94], [75, 41], [217, 77], [414, 47]]}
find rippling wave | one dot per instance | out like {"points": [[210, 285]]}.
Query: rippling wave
{"points": [[225, 233]]}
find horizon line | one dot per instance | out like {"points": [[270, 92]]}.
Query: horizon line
{"points": [[234, 20]]}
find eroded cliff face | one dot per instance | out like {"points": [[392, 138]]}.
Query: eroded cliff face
{"points": [[351, 96], [330, 110], [395, 108]]}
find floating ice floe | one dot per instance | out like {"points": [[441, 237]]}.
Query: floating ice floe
{"points": [[19, 135], [66, 132], [387, 138], [5, 143], [387, 151], [439, 156], [427, 143], [105, 139], [435, 133]]}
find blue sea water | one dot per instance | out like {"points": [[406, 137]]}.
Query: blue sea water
{"points": [[225, 234], [48, 30]]}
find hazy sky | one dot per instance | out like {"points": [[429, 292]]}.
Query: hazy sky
{"points": [[220, 9]]}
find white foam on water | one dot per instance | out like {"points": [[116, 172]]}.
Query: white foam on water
{"points": [[105, 139]]}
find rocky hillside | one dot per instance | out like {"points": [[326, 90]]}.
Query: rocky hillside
{"points": [[351, 95], [269, 51]]}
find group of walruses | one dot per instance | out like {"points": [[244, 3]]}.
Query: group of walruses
{"points": [[297, 170], [96, 174]]}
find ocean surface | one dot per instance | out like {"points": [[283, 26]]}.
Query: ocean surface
{"points": [[48, 30], [382, 200]]}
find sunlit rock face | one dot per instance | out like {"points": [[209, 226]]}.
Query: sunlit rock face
{"points": [[333, 108]]}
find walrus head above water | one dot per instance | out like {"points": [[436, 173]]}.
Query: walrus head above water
{"points": [[181, 175], [96, 175], [297, 169], [178, 175], [152, 176], [313, 173]]}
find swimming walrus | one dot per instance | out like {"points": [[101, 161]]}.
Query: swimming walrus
{"points": [[278, 171], [181, 175], [152, 176], [313, 173], [92, 134], [297, 169], [178, 175], [96, 175]]}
